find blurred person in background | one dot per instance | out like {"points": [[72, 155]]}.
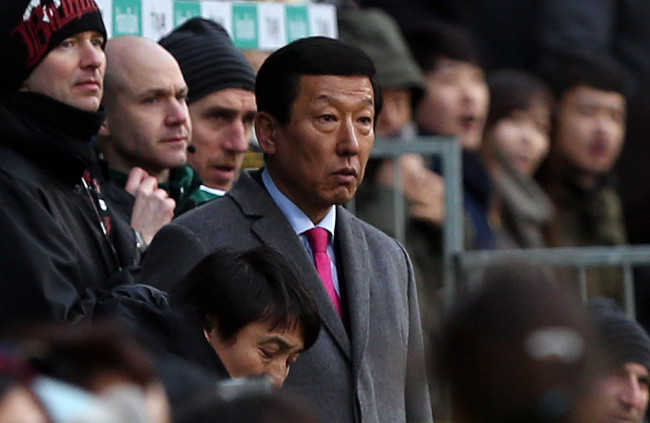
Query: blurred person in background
{"points": [[515, 142], [520, 349], [587, 138], [624, 388]]}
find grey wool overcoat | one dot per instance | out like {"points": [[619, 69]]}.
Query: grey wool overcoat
{"points": [[371, 372]]}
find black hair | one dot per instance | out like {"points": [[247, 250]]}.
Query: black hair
{"points": [[262, 408], [81, 354], [496, 356], [563, 71], [436, 40], [512, 90], [278, 79], [242, 287]]}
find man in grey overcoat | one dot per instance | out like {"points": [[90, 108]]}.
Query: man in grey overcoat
{"points": [[317, 106]]}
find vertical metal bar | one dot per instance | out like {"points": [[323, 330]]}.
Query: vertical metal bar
{"points": [[628, 290], [453, 225], [582, 280], [399, 209]]}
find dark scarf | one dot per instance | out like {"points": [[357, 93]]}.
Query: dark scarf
{"points": [[53, 134]]}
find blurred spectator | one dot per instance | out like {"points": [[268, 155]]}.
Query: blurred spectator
{"points": [[616, 30], [588, 133], [456, 104], [18, 402], [402, 86], [146, 134], [258, 408], [221, 100], [624, 388], [520, 349], [60, 238], [515, 142], [101, 360]]}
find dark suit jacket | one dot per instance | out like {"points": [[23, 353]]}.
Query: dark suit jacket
{"points": [[374, 371]]}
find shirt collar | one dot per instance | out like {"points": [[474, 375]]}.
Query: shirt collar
{"points": [[296, 217]]}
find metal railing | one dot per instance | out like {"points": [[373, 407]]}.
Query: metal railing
{"points": [[459, 264]]}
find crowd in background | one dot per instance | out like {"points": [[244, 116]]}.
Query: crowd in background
{"points": [[149, 274]]}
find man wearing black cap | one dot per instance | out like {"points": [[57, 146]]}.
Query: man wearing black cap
{"points": [[221, 99], [59, 236], [623, 391]]}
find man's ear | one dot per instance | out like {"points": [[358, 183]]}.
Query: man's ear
{"points": [[265, 130], [210, 326], [104, 130]]}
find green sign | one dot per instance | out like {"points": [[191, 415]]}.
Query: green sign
{"points": [[297, 23], [184, 10], [244, 25], [127, 17]]}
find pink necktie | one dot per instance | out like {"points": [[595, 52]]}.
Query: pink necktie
{"points": [[318, 240]]}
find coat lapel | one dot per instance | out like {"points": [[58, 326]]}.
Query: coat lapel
{"points": [[272, 228], [356, 270]]}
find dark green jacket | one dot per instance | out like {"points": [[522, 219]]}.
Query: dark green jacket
{"points": [[184, 186]]}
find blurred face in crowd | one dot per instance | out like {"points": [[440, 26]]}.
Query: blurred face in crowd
{"points": [[73, 72], [319, 157], [456, 102], [624, 394], [522, 137], [222, 124], [17, 404], [396, 112], [148, 123], [590, 129], [258, 349]]}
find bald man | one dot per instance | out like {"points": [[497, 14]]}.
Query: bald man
{"points": [[145, 136]]}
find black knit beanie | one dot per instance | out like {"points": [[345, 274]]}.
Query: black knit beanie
{"points": [[208, 58], [29, 29], [623, 338]]}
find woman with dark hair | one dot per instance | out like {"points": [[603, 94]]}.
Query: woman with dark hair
{"points": [[515, 141]]}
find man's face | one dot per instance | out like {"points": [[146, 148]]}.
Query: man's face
{"points": [[456, 102], [148, 120], [222, 124], [590, 129], [259, 349], [73, 72], [319, 157], [624, 394], [395, 113]]}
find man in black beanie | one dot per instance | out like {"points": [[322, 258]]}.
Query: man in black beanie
{"points": [[221, 99], [60, 239], [624, 388]]}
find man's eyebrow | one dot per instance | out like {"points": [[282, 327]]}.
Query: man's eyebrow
{"points": [[329, 99], [282, 343], [162, 92]]}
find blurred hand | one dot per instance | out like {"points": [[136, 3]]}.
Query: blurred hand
{"points": [[423, 187]]}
